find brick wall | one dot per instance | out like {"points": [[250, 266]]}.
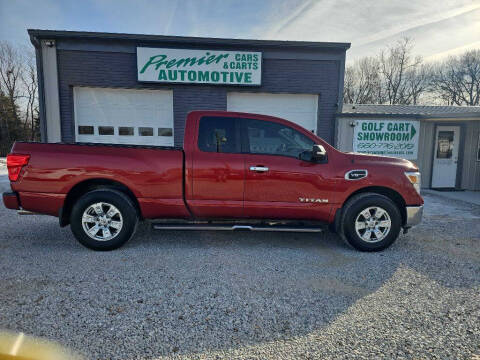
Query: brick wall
{"points": [[109, 69]]}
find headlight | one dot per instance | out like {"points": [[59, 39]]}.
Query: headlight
{"points": [[416, 180]]}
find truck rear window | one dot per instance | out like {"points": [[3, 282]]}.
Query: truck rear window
{"points": [[218, 134]]}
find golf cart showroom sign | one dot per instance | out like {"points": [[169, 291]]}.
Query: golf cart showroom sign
{"points": [[199, 66], [389, 138]]}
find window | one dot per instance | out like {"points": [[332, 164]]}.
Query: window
{"points": [[125, 131], [105, 130], [265, 137], [165, 132], [85, 130], [445, 144], [145, 131], [218, 134]]}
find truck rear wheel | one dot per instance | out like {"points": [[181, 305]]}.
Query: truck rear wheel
{"points": [[371, 222], [103, 219]]}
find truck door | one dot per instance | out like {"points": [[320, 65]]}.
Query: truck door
{"points": [[218, 169], [278, 184]]}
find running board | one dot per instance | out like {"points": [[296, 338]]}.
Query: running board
{"points": [[209, 227]]}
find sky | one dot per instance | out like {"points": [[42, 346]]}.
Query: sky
{"points": [[438, 27]]}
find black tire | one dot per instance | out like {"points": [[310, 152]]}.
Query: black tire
{"points": [[354, 207], [128, 218]]}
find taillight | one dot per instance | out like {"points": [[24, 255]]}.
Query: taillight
{"points": [[15, 162]]}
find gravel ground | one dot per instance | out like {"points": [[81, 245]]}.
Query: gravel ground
{"points": [[248, 295]]}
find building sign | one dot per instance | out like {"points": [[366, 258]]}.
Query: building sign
{"points": [[199, 66], [389, 138]]}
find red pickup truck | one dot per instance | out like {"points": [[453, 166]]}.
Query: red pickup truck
{"points": [[236, 171]]}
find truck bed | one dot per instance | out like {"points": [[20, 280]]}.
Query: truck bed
{"points": [[153, 174]]}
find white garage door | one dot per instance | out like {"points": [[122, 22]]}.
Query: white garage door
{"points": [[123, 116], [298, 108]]}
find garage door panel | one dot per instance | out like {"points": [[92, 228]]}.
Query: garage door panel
{"points": [[127, 111], [298, 108]]}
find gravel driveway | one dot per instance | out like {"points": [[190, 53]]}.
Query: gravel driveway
{"points": [[248, 295]]}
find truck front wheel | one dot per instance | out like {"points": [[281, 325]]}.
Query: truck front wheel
{"points": [[103, 219], [371, 222]]}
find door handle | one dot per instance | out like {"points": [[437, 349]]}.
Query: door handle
{"points": [[259, 168]]}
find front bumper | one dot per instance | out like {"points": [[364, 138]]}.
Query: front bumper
{"points": [[10, 200], [414, 215]]}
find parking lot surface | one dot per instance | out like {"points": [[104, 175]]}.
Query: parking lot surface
{"points": [[248, 295]]}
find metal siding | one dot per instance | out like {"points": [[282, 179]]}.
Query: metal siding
{"points": [[471, 167], [188, 98], [131, 47], [107, 69], [476, 178], [425, 151], [344, 138], [461, 156]]}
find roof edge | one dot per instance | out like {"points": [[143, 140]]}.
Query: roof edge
{"points": [[376, 115], [55, 34], [416, 116]]}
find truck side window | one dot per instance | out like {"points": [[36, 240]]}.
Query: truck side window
{"points": [[218, 134], [266, 137]]}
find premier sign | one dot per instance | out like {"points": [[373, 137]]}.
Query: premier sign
{"points": [[391, 138], [199, 66]]}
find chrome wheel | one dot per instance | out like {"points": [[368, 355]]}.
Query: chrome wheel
{"points": [[102, 221], [373, 224]]}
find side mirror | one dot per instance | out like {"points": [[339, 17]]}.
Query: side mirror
{"points": [[306, 156], [319, 153]]}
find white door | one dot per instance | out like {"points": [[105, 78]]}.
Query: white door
{"points": [[446, 157], [123, 116], [298, 108]]}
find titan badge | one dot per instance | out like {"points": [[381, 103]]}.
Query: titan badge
{"points": [[312, 200]]}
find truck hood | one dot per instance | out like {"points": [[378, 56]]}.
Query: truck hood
{"points": [[366, 159]]}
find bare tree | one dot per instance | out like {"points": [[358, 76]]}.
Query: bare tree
{"points": [[18, 95], [10, 73], [396, 63], [395, 76], [362, 82], [456, 81], [11, 68], [417, 83], [30, 85]]}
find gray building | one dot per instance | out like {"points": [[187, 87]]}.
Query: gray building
{"points": [[444, 141], [138, 89]]}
